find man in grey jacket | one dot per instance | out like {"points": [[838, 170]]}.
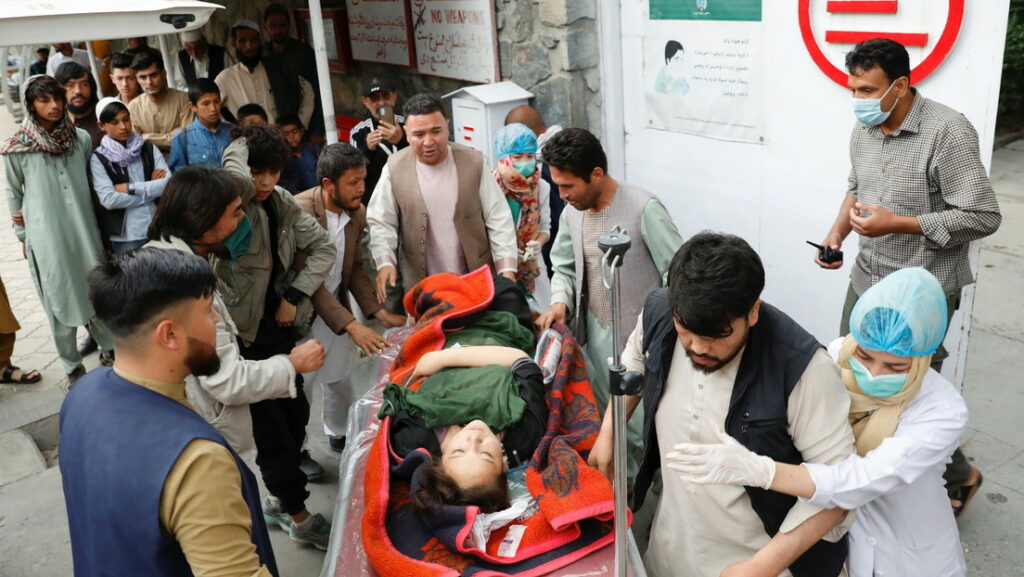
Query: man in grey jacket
{"points": [[201, 215], [268, 282]]}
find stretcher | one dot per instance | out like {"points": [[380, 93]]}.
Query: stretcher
{"points": [[346, 556]]}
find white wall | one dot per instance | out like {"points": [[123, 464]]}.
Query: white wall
{"points": [[787, 191]]}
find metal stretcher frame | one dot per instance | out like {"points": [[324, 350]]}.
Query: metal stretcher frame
{"points": [[346, 556]]}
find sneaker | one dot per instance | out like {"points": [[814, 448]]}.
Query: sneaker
{"points": [[317, 532], [87, 346], [310, 468], [275, 515], [337, 443]]}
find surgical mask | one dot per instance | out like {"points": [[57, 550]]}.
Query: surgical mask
{"points": [[525, 167], [869, 110], [881, 386], [237, 243]]}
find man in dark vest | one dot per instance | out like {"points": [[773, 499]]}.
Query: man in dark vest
{"points": [[198, 59], [437, 206], [718, 360], [136, 460]]}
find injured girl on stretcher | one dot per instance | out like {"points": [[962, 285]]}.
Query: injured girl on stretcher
{"points": [[480, 461]]}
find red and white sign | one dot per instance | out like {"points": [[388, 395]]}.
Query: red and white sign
{"points": [[926, 25]]}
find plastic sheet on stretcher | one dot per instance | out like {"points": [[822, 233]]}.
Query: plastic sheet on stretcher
{"points": [[346, 556]]}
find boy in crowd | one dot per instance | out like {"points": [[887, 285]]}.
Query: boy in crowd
{"points": [[300, 172], [203, 141], [123, 77]]}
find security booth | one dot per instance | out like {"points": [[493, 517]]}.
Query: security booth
{"points": [[478, 112]]}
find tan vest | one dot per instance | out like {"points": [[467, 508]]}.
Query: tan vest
{"points": [[412, 212]]}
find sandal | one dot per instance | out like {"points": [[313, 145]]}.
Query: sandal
{"points": [[14, 375], [965, 493]]}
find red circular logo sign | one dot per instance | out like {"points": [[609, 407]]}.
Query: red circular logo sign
{"points": [[931, 61]]}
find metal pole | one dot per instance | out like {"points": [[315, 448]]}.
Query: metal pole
{"points": [[316, 23], [92, 66], [615, 244]]}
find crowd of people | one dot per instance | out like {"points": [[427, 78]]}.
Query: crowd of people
{"points": [[209, 243]]}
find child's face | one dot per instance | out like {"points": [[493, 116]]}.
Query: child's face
{"points": [[207, 108], [119, 128], [251, 119], [292, 135]]}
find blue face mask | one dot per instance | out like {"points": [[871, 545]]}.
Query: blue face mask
{"points": [[869, 110], [881, 386], [237, 243], [525, 167]]}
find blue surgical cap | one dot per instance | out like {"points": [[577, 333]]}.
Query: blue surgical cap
{"points": [[514, 138], [903, 314]]}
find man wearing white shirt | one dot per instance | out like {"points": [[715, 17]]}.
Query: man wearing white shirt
{"points": [[260, 81], [64, 52], [439, 200]]}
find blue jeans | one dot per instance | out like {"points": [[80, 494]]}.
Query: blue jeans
{"points": [[123, 246]]}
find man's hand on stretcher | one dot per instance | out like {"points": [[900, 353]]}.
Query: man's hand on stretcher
{"points": [[366, 338], [479, 356]]}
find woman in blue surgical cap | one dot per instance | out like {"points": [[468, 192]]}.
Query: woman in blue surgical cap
{"points": [[907, 420], [518, 176]]}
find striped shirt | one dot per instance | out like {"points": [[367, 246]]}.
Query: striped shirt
{"points": [[929, 168]]}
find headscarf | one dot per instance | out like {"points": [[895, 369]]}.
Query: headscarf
{"points": [[32, 137], [522, 193], [903, 314], [117, 153]]}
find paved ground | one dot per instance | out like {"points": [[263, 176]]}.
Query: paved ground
{"points": [[33, 525]]}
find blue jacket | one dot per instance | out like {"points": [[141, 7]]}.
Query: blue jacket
{"points": [[197, 145], [118, 443]]}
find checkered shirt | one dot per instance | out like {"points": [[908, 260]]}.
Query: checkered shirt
{"points": [[929, 168]]}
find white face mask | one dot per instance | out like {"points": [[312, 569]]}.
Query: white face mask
{"points": [[869, 110]]}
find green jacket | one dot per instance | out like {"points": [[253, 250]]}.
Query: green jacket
{"points": [[303, 247], [60, 233]]}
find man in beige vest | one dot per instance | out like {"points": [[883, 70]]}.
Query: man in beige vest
{"points": [[596, 204], [437, 206]]}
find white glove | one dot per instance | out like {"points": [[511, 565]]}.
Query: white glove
{"points": [[725, 463], [530, 252]]}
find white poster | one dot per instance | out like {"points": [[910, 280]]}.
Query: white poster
{"points": [[456, 39], [379, 31], [705, 75]]}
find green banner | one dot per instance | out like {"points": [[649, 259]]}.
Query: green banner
{"points": [[733, 10]]}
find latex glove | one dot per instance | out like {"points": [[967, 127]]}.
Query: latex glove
{"points": [[724, 463], [530, 252]]}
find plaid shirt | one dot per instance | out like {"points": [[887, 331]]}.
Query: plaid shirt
{"points": [[929, 168]]}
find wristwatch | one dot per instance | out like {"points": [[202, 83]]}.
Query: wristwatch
{"points": [[131, 188]]}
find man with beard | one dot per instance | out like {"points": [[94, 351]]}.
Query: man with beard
{"points": [[136, 460], [295, 58], [335, 204], [201, 212], [80, 89], [160, 112], [744, 369], [263, 82], [199, 59]]}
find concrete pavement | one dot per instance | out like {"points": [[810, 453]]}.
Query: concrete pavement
{"points": [[33, 524]]}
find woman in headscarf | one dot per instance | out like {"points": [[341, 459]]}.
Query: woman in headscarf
{"points": [[47, 165], [517, 174], [907, 420]]}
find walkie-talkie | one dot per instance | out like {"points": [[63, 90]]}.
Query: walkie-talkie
{"points": [[827, 254]]}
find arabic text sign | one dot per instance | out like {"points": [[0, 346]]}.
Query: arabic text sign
{"points": [[735, 10], [379, 31], [456, 39]]}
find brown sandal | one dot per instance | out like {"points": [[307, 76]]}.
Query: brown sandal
{"points": [[16, 376]]}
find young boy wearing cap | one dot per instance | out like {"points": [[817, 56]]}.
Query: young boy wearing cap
{"points": [[128, 175], [375, 137]]}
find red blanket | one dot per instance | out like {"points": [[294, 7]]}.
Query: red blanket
{"points": [[439, 304], [575, 501]]}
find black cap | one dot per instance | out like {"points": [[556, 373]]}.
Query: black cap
{"points": [[377, 84]]}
